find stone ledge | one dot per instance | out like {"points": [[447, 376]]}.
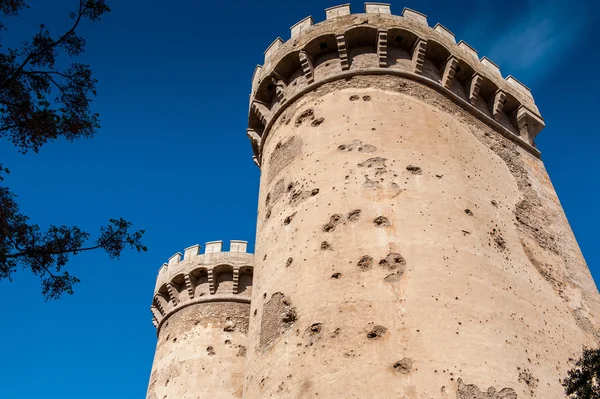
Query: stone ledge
{"points": [[412, 76], [207, 299]]}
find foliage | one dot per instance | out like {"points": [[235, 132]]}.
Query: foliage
{"points": [[41, 102], [583, 380]]}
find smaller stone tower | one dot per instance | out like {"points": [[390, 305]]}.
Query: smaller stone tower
{"points": [[201, 309]]}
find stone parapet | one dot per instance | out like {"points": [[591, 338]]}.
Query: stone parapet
{"points": [[377, 42], [196, 278]]}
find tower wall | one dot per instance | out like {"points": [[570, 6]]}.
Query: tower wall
{"points": [[201, 308], [409, 241]]}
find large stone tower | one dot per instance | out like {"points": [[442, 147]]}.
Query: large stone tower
{"points": [[201, 308], [409, 242]]}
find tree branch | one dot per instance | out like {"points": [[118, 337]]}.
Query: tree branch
{"points": [[9, 127], [49, 75], [69, 251], [8, 103], [19, 69], [58, 86], [40, 251], [64, 75], [41, 263]]}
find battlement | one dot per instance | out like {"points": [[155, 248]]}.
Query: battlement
{"points": [[194, 277], [341, 47]]}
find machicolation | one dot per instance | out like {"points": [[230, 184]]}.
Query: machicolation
{"points": [[195, 278], [379, 43]]}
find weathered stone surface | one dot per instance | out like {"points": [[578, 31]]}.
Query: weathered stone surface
{"points": [[202, 310], [193, 359], [455, 251]]}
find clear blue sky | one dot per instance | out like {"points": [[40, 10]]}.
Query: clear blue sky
{"points": [[172, 156]]}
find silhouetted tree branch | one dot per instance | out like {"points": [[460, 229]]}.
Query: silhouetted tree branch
{"points": [[41, 102], [583, 380]]}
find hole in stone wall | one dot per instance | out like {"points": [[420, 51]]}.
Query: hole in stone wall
{"points": [[365, 262], [403, 366], [377, 332]]}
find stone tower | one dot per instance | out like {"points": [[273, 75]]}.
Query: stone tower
{"points": [[409, 242], [201, 308]]}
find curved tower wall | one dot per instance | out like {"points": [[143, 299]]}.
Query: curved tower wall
{"points": [[201, 308], [409, 241]]}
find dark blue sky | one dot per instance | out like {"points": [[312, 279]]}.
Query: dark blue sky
{"points": [[172, 156]]}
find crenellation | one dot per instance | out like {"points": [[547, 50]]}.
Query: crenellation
{"points": [[445, 32], [175, 267], [301, 26], [238, 246], [415, 16], [378, 8], [177, 284], [468, 49], [304, 57], [213, 246], [491, 66], [526, 91], [192, 260], [337, 11], [272, 49], [512, 80], [175, 259], [191, 252]]}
